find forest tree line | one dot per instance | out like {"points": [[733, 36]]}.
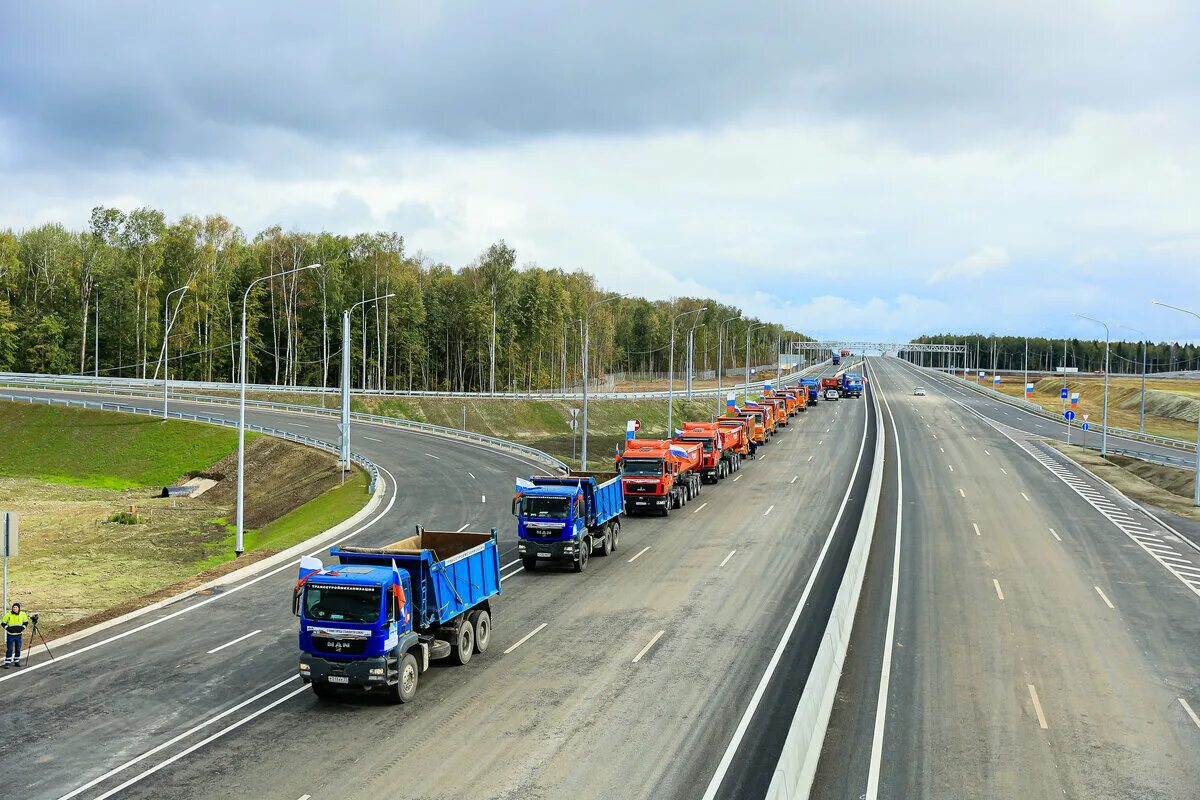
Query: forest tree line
{"points": [[1087, 355], [58, 287]]}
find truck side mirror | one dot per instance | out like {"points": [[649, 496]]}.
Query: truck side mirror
{"points": [[515, 501], [296, 593]]}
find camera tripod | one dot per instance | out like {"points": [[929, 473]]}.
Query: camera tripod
{"points": [[38, 633]]}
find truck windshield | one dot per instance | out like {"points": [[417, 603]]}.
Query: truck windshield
{"points": [[342, 603], [642, 466], [544, 507], [708, 443]]}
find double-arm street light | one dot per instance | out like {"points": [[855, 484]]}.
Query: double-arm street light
{"points": [[344, 424], [166, 350], [750, 329], [1196, 481], [239, 541], [720, 352], [586, 335], [1107, 337], [671, 371], [1142, 413]]}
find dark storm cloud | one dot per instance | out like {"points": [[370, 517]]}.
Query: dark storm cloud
{"points": [[152, 82]]}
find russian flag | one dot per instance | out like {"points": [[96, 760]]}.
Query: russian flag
{"points": [[752, 404], [730, 400], [630, 429], [398, 593], [679, 452]]}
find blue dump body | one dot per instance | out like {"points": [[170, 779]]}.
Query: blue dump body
{"points": [[852, 384], [559, 517], [359, 619], [837, 359]]}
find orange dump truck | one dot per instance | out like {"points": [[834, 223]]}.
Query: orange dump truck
{"points": [[752, 429], [739, 430], [719, 457], [779, 407], [659, 475], [764, 417]]}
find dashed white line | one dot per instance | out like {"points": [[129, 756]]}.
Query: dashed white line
{"points": [[235, 641], [1002, 469], [483, 498], [431, 455], [649, 644], [975, 525], [810, 458], [472, 476], [942, 449], [1189, 711], [371, 439], [961, 492], [985, 452], [639, 554], [526, 638], [793, 480], [701, 508], [1054, 533], [463, 528], [510, 564], [1027, 500], [768, 511], [1104, 597], [737, 478], [726, 559], [1037, 707], [999, 591], [951, 466]]}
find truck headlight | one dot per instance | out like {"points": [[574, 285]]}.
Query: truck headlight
{"points": [[520, 548], [568, 548], [303, 667]]}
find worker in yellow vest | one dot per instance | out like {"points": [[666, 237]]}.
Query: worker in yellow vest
{"points": [[14, 624]]}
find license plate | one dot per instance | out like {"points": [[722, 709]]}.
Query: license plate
{"points": [[543, 555], [338, 679]]}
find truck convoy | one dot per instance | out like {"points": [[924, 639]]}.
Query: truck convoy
{"points": [[375, 622], [660, 475], [567, 517], [719, 456]]}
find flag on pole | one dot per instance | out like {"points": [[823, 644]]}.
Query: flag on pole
{"points": [[398, 593]]}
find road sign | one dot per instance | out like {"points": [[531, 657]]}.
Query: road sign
{"points": [[637, 425], [1066, 369], [1084, 426], [982, 375], [1063, 395], [1068, 415]]}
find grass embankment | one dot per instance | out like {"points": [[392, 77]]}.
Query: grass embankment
{"points": [[1166, 487], [66, 471], [1171, 405]]}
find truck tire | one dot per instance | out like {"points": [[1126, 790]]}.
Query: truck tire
{"points": [[616, 532], [323, 690], [606, 541], [666, 509], [529, 563], [405, 687], [463, 646], [585, 548], [481, 621]]}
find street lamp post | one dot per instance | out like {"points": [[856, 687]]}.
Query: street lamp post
{"points": [[750, 329], [671, 371], [1142, 412], [166, 351], [720, 353], [691, 354], [96, 356], [586, 345], [1104, 432], [344, 424], [1196, 480], [239, 540]]}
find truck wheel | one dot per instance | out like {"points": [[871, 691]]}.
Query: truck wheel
{"points": [[666, 509], [323, 690], [606, 542], [580, 564], [405, 687], [616, 531], [529, 563], [463, 646], [481, 621]]}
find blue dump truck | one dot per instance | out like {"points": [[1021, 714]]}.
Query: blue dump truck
{"points": [[567, 517], [837, 359], [374, 622], [812, 388], [852, 384]]}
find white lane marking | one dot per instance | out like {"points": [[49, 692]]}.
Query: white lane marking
{"points": [[701, 508], [762, 457], [1002, 469], [1027, 500], [810, 458], [739, 733], [298, 425], [942, 449], [985, 452], [649, 644], [885, 672], [951, 466], [737, 478], [305, 797], [999, 591], [827, 430], [463, 528], [1054, 533], [235, 641], [176, 739], [202, 743], [213, 598], [768, 511], [793, 480], [503, 578], [961, 492], [372, 439], [1189, 711], [526, 638], [431, 455], [510, 564], [726, 559], [820, 443], [974, 439], [1037, 707], [639, 554], [1104, 597], [472, 474], [975, 525], [483, 498]]}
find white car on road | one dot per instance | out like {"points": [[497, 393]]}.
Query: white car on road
{"points": [[919, 391], [831, 394]]}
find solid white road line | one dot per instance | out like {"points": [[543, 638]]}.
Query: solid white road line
{"points": [[1189, 711], [431, 455], [768, 511], [999, 591], [1037, 707], [737, 478], [726, 559], [649, 644], [463, 528], [526, 638], [1054, 533], [298, 425], [701, 508], [235, 641], [639, 554], [1104, 597], [373, 439], [1027, 500], [975, 525]]}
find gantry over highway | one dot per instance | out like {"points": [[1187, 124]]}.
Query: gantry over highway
{"points": [[1021, 631]]}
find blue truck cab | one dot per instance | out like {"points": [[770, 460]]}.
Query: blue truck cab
{"points": [[852, 384], [812, 388], [374, 621], [568, 517]]}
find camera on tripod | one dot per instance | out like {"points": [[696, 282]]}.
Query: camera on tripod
{"points": [[34, 619]]}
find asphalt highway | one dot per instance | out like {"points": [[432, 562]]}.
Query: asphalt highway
{"points": [[1023, 631], [626, 681]]}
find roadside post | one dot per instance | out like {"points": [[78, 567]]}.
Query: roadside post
{"points": [[1068, 416], [1084, 428], [9, 547]]}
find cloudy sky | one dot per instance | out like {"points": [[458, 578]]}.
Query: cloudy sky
{"points": [[874, 169]]}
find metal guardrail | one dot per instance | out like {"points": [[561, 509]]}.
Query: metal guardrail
{"points": [[364, 462], [1169, 461]]}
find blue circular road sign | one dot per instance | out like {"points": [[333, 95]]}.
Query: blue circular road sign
{"points": [[1070, 415]]}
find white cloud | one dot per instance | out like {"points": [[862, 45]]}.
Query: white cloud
{"points": [[988, 258]]}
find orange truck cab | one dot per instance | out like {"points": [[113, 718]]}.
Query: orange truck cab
{"points": [[718, 458], [764, 417], [794, 401], [779, 407], [659, 475]]}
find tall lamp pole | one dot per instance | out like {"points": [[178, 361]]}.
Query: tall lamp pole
{"points": [[691, 353], [750, 329], [1196, 481], [96, 357], [586, 344], [1142, 412], [239, 540], [671, 371], [166, 351], [720, 353], [1107, 337], [344, 424]]}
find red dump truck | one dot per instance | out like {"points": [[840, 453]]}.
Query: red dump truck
{"points": [[659, 475], [719, 457]]}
